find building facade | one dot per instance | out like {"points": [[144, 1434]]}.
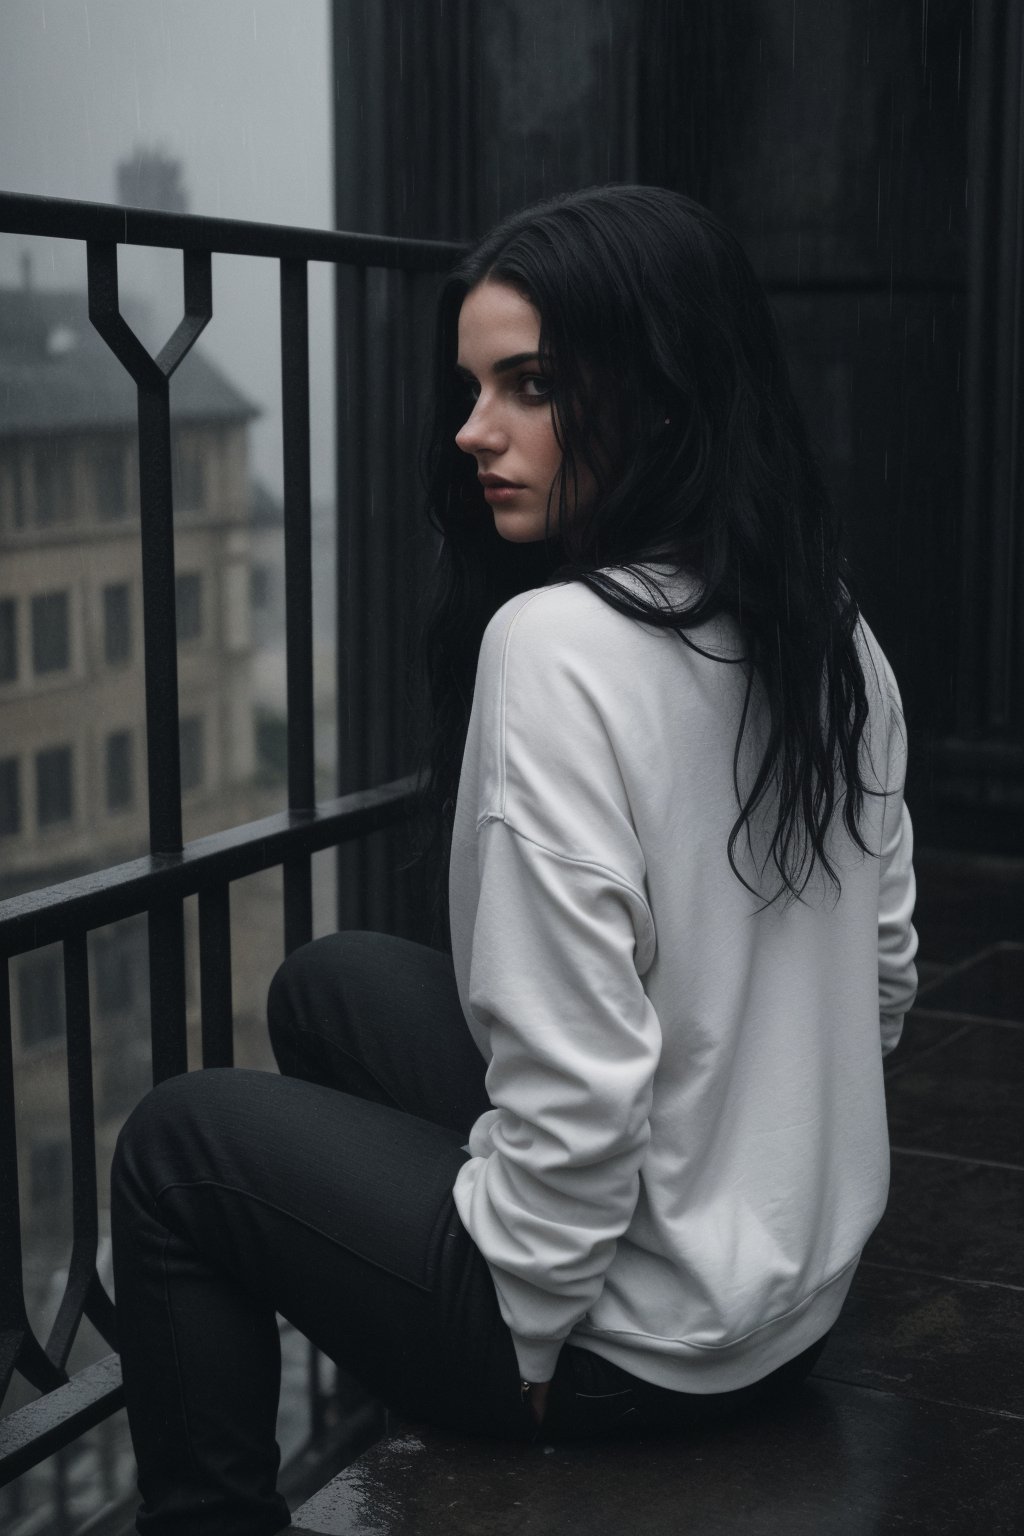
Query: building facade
{"points": [[73, 791]]}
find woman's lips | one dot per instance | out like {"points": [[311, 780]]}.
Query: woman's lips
{"points": [[500, 493], [497, 490]]}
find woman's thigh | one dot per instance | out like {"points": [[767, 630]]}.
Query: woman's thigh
{"points": [[379, 1017], [335, 1212]]}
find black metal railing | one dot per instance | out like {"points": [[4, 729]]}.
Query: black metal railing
{"points": [[158, 884]]}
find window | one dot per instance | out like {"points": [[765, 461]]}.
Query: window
{"points": [[188, 597], [54, 491], [41, 997], [8, 640], [10, 797], [117, 624], [120, 778], [13, 500], [260, 579], [53, 786], [20, 488], [109, 478], [191, 751], [51, 650]]}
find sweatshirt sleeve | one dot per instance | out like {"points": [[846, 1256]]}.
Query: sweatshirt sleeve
{"points": [[561, 936], [897, 939], [553, 1176]]}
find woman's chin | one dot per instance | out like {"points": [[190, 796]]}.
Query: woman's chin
{"points": [[517, 528]]}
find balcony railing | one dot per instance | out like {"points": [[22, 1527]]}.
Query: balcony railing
{"points": [[158, 884]]}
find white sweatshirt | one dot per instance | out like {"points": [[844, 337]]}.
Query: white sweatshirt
{"points": [[687, 1148]]}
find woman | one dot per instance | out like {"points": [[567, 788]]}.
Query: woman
{"points": [[681, 891]]}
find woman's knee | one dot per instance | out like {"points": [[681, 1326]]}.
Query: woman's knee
{"points": [[140, 1154], [166, 1128], [153, 1115], [315, 989], [310, 985]]}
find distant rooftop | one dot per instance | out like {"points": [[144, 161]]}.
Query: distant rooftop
{"points": [[57, 373]]}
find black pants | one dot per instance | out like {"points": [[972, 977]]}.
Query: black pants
{"points": [[238, 1194]]}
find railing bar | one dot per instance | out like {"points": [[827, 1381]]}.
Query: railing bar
{"points": [[12, 1305], [82, 1278], [215, 975], [374, 509], [152, 379], [159, 883], [30, 1434], [44, 916], [10, 1348], [99, 1309], [353, 512], [36, 1366], [317, 1402], [360, 700], [159, 620], [298, 538], [405, 515], [298, 903], [402, 507], [29, 1356], [81, 1115], [365, 510], [408, 517], [378, 636], [167, 988], [23, 213]]}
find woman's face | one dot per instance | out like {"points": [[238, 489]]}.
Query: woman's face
{"points": [[510, 431]]}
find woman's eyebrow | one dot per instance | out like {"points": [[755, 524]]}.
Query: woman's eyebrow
{"points": [[503, 364]]}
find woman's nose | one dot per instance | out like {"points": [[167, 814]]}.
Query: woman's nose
{"points": [[481, 432]]}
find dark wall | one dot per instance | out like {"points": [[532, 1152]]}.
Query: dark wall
{"points": [[868, 156], [840, 136]]}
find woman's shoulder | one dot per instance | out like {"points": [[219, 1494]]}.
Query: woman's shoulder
{"points": [[571, 617], [879, 677], [542, 614]]}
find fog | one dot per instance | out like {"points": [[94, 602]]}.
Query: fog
{"points": [[238, 92]]}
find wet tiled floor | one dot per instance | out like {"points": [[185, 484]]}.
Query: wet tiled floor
{"points": [[913, 1422]]}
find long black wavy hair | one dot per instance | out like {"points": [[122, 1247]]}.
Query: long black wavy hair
{"points": [[650, 310]]}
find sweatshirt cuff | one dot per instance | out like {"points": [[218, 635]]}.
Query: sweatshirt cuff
{"points": [[537, 1357], [892, 1029]]}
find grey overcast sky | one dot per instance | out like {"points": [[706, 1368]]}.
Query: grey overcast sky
{"points": [[237, 90]]}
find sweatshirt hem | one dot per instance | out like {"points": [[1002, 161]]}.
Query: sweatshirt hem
{"points": [[702, 1368], [537, 1358]]}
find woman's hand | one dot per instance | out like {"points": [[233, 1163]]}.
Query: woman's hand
{"points": [[538, 1399]]}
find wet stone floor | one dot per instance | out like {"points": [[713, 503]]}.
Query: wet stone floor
{"points": [[913, 1421]]}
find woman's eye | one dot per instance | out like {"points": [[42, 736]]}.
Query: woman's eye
{"points": [[530, 386]]}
